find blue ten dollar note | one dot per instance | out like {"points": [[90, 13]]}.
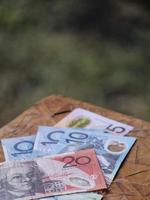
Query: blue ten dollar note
{"points": [[110, 149], [18, 148]]}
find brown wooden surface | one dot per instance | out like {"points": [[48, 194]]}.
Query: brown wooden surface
{"points": [[133, 180]]}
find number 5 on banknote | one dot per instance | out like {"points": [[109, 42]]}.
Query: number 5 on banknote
{"points": [[80, 118]]}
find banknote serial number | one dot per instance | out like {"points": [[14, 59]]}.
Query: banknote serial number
{"points": [[71, 161]]}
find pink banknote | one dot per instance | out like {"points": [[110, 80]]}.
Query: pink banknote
{"points": [[48, 176]]}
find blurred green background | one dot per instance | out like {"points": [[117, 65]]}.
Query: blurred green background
{"points": [[96, 51]]}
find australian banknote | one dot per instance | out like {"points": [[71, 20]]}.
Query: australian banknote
{"points": [[77, 196], [18, 148], [81, 118], [50, 176], [21, 148], [110, 149]]}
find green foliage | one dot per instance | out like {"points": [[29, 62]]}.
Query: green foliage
{"points": [[92, 51]]}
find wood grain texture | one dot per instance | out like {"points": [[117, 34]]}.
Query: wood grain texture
{"points": [[133, 180]]}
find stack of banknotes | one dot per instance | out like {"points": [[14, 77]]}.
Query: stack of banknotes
{"points": [[72, 160]]}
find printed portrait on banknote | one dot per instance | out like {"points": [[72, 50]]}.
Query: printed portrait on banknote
{"points": [[25, 179], [49, 176], [20, 180]]}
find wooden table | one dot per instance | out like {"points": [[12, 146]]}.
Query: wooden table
{"points": [[133, 180]]}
